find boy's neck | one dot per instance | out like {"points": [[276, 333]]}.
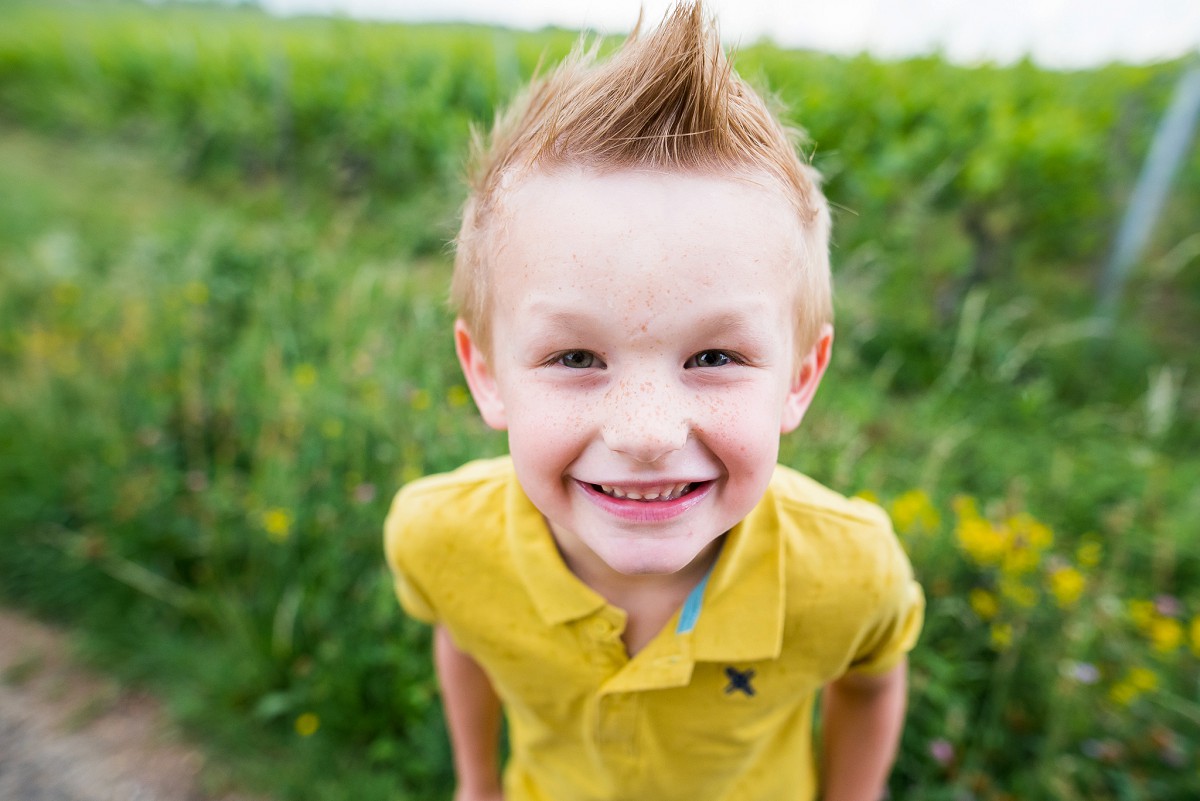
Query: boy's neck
{"points": [[595, 573], [649, 600]]}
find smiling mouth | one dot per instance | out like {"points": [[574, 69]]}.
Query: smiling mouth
{"points": [[665, 492]]}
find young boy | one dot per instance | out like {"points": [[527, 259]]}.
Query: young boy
{"points": [[643, 292]]}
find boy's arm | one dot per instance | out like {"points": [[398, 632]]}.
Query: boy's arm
{"points": [[472, 711], [861, 721]]}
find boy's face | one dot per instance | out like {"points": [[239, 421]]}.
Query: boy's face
{"points": [[644, 361]]}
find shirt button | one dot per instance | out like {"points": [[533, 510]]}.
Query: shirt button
{"points": [[599, 659], [601, 628]]}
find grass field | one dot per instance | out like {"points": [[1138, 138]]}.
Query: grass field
{"points": [[213, 378]]}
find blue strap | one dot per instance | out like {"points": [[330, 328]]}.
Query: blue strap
{"points": [[691, 607]]}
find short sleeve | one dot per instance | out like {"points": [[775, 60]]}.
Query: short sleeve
{"points": [[897, 636], [399, 549], [900, 617]]}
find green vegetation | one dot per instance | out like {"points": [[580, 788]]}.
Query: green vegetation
{"points": [[223, 344]]}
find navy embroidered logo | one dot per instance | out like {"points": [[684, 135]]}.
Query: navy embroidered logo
{"points": [[739, 681]]}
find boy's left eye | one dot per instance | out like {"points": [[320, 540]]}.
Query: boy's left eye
{"points": [[709, 358], [578, 359]]}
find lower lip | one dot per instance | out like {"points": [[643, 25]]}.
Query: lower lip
{"points": [[646, 511]]}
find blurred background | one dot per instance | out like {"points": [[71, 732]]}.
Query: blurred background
{"points": [[1057, 33], [224, 344]]}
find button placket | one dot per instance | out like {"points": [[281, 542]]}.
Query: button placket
{"points": [[600, 628], [600, 637], [616, 727]]}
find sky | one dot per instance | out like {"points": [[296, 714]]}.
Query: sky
{"points": [[1055, 33]]}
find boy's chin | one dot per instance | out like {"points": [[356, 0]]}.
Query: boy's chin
{"points": [[648, 567], [654, 561]]}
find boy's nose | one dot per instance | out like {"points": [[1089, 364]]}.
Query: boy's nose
{"points": [[645, 423]]}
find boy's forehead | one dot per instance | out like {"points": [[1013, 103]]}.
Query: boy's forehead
{"points": [[629, 247], [579, 214], [581, 182]]}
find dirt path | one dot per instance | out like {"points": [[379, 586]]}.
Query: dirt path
{"points": [[67, 734]]}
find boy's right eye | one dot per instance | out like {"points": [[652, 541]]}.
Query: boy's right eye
{"points": [[578, 359]]}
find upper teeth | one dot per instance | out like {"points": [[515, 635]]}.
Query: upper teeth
{"points": [[667, 492]]}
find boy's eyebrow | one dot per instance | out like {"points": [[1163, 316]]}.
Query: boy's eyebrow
{"points": [[736, 323], [554, 321], [747, 323]]}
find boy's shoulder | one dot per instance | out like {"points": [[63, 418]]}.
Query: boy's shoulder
{"points": [[443, 527], [827, 535], [472, 476], [795, 494], [844, 568], [472, 496]]}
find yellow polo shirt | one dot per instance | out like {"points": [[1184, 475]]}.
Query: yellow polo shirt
{"points": [[718, 706]]}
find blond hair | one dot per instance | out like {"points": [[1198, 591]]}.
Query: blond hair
{"points": [[667, 100]]}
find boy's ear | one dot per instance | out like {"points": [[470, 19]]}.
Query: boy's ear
{"points": [[479, 378], [805, 381]]}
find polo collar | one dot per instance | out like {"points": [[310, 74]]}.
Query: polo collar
{"points": [[741, 618], [557, 593], [742, 608]]}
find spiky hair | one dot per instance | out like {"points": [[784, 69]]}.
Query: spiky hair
{"points": [[668, 100]]}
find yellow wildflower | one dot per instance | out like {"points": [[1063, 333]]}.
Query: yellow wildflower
{"points": [[867, 495], [913, 511], [1020, 559], [66, 293], [332, 428], [1022, 595], [1165, 633], [196, 293], [982, 541], [1142, 613], [419, 400], [1067, 585], [457, 396], [307, 724], [1002, 634], [278, 524], [1143, 679], [1123, 693], [305, 375], [1089, 553], [1021, 541], [965, 507], [984, 603], [1029, 532], [1137, 682], [371, 394]]}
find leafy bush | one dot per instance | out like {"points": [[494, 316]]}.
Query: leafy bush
{"points": [[224, 343]]}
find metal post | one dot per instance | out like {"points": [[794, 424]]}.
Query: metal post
{"points": [[1171, 141]]}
